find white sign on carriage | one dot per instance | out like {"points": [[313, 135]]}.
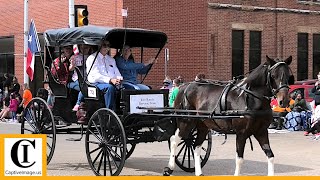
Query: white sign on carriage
{"points": [[146, 101]]}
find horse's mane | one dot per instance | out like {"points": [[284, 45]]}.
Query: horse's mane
{"points": [[257, 76]]}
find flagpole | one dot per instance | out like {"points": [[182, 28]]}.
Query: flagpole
{"points": [[25, 48]]}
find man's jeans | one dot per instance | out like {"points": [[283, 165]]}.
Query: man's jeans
{"points": [[109, 94]]}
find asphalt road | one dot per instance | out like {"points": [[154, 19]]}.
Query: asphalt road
{"points": [[295, 155]]}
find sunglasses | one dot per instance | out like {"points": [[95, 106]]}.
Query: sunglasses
{"points": [[105, 45]]}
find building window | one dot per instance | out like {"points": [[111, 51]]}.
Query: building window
{"points": [[302, 56], [237, 52], [6, 55], [255, 49], [316, 55], [309, 1]]}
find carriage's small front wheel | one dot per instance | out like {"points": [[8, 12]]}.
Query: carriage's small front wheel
{"points": [[38, 119], [105, 143], [185, 152]]}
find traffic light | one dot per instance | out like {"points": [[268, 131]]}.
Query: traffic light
{"points": [[81, 15]]}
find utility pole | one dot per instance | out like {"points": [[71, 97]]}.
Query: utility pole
{"points": [[71, 13]]}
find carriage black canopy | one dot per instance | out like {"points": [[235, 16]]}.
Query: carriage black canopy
{"points": [[93, 35]]}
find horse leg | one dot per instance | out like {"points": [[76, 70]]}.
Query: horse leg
{"points": [[174, 141], [263, 139], [240, 143], [198, 144]]}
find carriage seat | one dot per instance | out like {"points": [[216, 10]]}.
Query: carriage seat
{"points": [[58, 89], [88, 90]]}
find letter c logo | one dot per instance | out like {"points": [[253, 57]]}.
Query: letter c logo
{"points": [[14, 153]]}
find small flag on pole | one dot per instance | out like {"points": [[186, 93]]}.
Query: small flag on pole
{"points": [[33, 47], [75, 49], [124, 12]]}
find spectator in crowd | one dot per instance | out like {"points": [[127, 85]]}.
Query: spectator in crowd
{"points": [[176, 84], [280, 113], [167, 83], [199, 77], [20, 108], [6, 85], [77, 61], [51, 98], [316, 91], [298, 117], [180, 79], [130, 69], [103, 72], [13, 107], [15, 86], [27, 95], [5, 109]]}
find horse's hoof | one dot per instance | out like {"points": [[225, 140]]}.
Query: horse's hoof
{"points": [[201, 175], [167, 171]]}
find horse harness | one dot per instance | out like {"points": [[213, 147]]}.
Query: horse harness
{"points": [[229, 85]]}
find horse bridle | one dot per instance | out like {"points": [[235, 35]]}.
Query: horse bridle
{"points": [[269, 77]]}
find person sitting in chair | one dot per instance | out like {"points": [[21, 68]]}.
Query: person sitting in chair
{"points": [[129, 69], [62, 66], [77, 61], [103, 73], [298, 117]]}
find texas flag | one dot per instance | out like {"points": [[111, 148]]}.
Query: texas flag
{"points": [[33, 47]]}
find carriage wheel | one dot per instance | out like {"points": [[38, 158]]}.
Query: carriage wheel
{"points": [[105, 143], [38, 119], [185, 152]]}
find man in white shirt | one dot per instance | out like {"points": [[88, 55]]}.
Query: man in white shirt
{"points": [[104, 74]]}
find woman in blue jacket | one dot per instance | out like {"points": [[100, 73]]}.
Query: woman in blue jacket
{"points": [[129, 69]]}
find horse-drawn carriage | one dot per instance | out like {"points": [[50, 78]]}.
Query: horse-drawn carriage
{"points": [[110, 136]]}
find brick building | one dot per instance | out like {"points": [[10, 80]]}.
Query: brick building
{"points": [[227, 38], [219, 38], [47, 15]]}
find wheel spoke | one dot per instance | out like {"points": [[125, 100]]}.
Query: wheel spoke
{"points": [[115, 153], [96, 149], [105, 163], [192, 151], [27, 129], [93, 142], [95, 135], [184, 145], [101, 159], [95, 125], [109, 163], [184, 155], [49, 146], [189, 157], [113, 159], [94, 161]]}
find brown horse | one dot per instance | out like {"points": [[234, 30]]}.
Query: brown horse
{"points": [[248, 98]]}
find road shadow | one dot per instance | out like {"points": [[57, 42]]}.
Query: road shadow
{"points": [[217, 167]]}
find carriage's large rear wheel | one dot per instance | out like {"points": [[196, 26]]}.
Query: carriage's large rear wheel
{"points": [[105, 143], [38, 119], [185, 152]]}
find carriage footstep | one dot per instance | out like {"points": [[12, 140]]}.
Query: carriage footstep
{"points": [[167, 171]]}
